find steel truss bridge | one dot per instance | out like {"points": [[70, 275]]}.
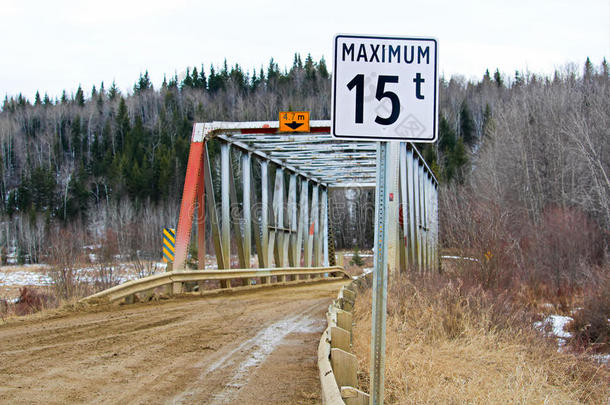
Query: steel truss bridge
{"points": [[287, 214]]}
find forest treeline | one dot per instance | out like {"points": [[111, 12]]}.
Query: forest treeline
{"points": [[102, 160]]}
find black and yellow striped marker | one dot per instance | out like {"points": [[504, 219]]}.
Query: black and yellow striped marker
{"points": [[169, 244]]}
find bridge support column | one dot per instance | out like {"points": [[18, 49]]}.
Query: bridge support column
{"points": [[246, 160], [324, 225], [294, 253], [314, 228], [304, 223], [189, 194], [393, 205]]}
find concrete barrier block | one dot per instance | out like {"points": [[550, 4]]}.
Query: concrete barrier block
{"points": [[344, 320], [345, 367], [340, 339]]}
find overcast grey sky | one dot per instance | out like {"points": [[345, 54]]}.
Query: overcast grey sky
{"points": [[57, 44]]}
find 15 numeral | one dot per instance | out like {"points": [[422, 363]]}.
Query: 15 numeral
{"points": [[380, 94]]}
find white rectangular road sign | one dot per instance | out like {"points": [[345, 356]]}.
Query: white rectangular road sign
{"points": [[385, 88]]}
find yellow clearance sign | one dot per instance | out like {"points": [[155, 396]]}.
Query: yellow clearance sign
{"points": [[294, 121]]}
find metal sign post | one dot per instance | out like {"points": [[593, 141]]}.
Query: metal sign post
{"points": [[384, 89], [380, 276]]}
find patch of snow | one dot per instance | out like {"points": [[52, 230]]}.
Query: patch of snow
{"points": [[365, 271], [601, 358], [359, 254], [22, 278], [557, 323], [472, 259]]}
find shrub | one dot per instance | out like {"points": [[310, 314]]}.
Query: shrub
{"points": [[591, 325], [30, 301], [356, 259]]}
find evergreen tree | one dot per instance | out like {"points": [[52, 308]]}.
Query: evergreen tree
{"points": [[43, 186], [488, 124], [143, 83], [6, 104], [195, 78], [486, 77], [22, 101], [76, 137], [255, 81], [456, 162], [215, 81], [122, 123], [37, 100], [188, 80], [310, 68], [498, 78], [46, 101], [79, 98], [446, 135], [273, 71], [322, 70], [201, 82], [467, 129], [224, 73], [588, 70], [76, 200], [297, 64], [518, 79], [237, 77], [173, 82], [113, 92]]}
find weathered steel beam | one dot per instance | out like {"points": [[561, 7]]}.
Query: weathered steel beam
{"points": [[264, 215], [411, 210], [247, 207], [278, 217], [187, 206], [324, 225], [256, 221], [236, 220], [303, 221], [211, 201], [417, 205], [314, 229], [405, 244], [292, 223], [225, 206]]}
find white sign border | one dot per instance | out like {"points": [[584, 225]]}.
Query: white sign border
{"points": [[382, 138]]}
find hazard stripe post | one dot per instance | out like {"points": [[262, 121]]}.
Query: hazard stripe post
{"points": [[169, 244]]}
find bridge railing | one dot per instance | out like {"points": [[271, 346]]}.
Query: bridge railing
{"points": [[182, 281], [337, 365]]}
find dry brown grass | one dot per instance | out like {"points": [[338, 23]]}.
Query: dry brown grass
{"points": [[447, 344]]}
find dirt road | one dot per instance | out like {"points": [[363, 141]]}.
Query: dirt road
{"points": [[254, 347]]}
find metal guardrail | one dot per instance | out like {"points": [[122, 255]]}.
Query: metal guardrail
{"points": [[337, 365], [178, 279]]}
